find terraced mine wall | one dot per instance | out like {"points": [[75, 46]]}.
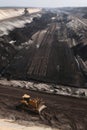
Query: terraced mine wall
{"points": [[6, 13], [42, 53]]}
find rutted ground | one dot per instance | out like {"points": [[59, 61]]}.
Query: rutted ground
{"points": [[62, 112]]}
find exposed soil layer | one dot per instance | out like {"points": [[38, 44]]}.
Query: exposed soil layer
{"points": [[65, 113]]}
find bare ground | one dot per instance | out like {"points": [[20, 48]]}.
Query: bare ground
{"points": [[62, 112]]}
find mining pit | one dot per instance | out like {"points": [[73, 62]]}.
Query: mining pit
{"points": [[44, 50], [50, 47]]}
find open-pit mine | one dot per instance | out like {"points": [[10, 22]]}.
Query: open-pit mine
{"points": [[43, 53]]}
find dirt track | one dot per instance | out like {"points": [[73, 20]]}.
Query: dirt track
{"points": [[65, 113]]}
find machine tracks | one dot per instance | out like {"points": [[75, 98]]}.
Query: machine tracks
{"points": [[39, 64], [62, 120], [62, 112]]}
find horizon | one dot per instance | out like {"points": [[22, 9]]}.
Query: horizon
{"points": [[43, 4], [42, 7]]}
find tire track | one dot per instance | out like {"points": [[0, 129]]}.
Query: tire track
{"points": [[39, 63], [58, 121]]}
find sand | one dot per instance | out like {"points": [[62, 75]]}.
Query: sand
{"points": [[9, 125]]}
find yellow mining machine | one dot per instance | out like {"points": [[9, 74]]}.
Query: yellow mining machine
{"points": [[27, 103]]}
